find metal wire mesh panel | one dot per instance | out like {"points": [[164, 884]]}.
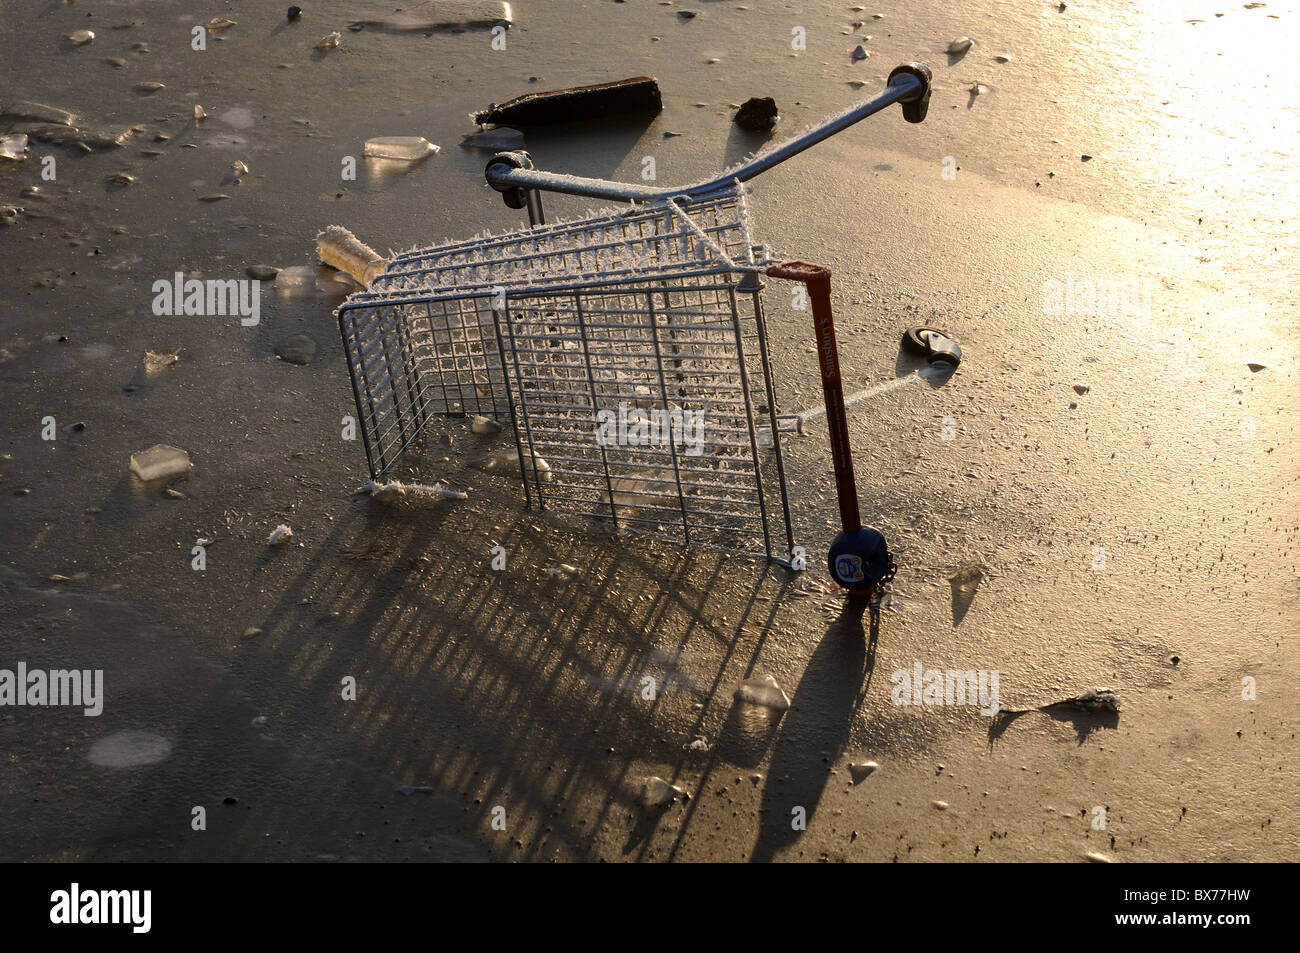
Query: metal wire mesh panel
{"points": [[623, 349], [640, 403], [409, 361]]}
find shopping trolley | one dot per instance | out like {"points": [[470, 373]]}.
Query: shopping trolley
{"points": [[628, 350]]}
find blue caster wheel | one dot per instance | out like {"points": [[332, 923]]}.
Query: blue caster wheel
{"points": [[859, 560]]}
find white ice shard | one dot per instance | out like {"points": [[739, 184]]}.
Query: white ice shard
{"points": [[656, 792], [159, 462], [409, 148], [764, 692]]}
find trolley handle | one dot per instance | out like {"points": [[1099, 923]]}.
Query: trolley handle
{"points": [[513, 175]]}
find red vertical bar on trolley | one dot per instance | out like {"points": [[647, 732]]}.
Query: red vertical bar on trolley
{"points": [[817, 279]]}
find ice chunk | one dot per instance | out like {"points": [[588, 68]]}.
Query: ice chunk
{"points": [[394, 491], [296, 278], [13, 147], [437, 15], [967, 578], [409, 148], [764, 692], [860, 772], [280, 535], [500, 139], [159, 462], [339, 248], [38, 112], [656, 792], [156, 360]]}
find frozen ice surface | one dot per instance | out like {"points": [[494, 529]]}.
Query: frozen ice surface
{"points": [[410, 148], [764, 692], [159, 462]]}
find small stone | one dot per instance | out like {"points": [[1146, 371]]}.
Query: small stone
{"points": [[757, 114], [262, 272], [329, 42], [252, 632], [294, 13], [1081, 389], [859, 53], [149, 87], [1002, 58], [279, 536], [484, 425], [214, 197], [57, 577], [960, 46], [940, 805], [80, 37], [1092, 856], [171, 493]]}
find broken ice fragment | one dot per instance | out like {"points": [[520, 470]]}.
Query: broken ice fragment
{"points": [[80, 37], [280, 535], [339, 248], [656, 792], [499, 139], [159, 462], [859, 772], [764, 692], [408, 148], [1094, 699], [157, 360], [967, 578], [960, 45], [296, 278], [13, 146], [393, 491], [38, 112], [638, 95], [424, 15]]}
